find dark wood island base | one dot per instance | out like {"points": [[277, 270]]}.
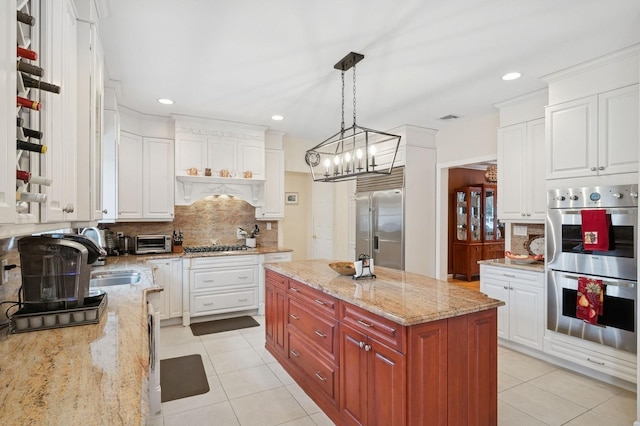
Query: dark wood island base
{"points": [[363, 368]]}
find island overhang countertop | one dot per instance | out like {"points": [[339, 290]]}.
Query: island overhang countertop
{"points": [[403, 297]]}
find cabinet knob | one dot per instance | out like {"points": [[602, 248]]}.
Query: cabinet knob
{"points": [[361, 344], [601, 168], [522, 214], [505, 287], [105, 211], [528, 214], [367, 348], [69, 208], [593, 169]]}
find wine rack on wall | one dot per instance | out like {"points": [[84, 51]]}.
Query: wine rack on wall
{"points": [[30, 141]]}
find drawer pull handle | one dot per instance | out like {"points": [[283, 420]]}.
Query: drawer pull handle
{"points": [[208, 304], [207, 281], [244, 277], [366, 324], [294, 353], [294, 289], [595, 362], [361, 344], [294, 316], [243, 300], [509, 275], [320, 302], [505, 287], [319, 333], [319, 376]]}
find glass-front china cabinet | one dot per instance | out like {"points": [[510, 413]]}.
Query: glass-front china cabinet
{"points": [[478, 234]]}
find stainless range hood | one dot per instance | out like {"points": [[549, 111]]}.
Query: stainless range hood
{"points": [[193, 188]]}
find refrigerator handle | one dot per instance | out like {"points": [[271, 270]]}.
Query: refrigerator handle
{"points": [[376, 245]]}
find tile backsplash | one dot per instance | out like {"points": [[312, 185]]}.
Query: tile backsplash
{"points": [[518, 242], [213, 219]]}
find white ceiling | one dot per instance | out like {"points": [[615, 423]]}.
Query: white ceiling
{"points": [[245, 60]]}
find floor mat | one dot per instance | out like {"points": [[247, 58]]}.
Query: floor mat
{"points": [[209, 327], [182, 377]]}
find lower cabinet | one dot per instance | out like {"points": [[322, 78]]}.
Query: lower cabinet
{"points": [[168, 275], [224, 284], [364, 369], [373, 388], [521, 319]]}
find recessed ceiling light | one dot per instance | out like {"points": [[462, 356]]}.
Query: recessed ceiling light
{"points": [[165, 101], [511, 76], [277, 117]]}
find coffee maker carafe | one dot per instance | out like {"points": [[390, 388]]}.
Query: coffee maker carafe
{"points": [[55, 271]]}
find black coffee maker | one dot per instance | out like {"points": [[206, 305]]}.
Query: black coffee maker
{"points": [[56, 270]]}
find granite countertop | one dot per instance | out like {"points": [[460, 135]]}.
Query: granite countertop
{"points": [[508, 263], [402, 297], [88, 374]]}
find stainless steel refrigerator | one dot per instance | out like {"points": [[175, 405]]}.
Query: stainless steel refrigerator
{"points": [[379, 227]]}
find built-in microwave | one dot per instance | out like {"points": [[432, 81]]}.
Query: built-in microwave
{"points": [[149, 244]]}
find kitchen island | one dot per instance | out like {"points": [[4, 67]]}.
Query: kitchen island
{"points": [[398, 349]]}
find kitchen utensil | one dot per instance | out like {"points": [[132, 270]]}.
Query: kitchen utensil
{"points": [[343, 268]]}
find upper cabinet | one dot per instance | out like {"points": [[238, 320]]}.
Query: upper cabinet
{"points": [[596, 135], [215, 157], [592, 118], [521, 172], [521, 159], [273, 208]]}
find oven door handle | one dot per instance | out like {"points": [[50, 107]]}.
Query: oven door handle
{"points": [[628, 284], [608, 211]]}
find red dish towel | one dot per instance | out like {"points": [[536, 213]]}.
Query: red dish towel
{"points": [[589, 300], [595, 230]]}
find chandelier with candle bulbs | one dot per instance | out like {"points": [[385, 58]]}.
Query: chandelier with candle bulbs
{"points": [[353, 151]]}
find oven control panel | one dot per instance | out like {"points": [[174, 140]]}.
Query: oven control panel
{"points": [[594, 197]]}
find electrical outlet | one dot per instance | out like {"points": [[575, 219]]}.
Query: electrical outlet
{"points": [[4, 274], [268, 226]]}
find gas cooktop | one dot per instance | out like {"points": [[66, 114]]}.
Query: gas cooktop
{"points": [[214, 248]]}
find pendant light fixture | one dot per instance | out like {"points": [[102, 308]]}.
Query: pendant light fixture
{"points": [[354, 151]]}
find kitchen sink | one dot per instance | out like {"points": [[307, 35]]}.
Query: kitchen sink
{"points": [[109, 278]]}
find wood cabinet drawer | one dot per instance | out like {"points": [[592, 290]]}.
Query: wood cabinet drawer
{"points": [[321, 301], [323, 373], [385, 331], [204, 304], [276, 279], [319, 329], [206, 279]]}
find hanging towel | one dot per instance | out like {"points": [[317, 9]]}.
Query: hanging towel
{"points": [[595, 230], [589, 300]]}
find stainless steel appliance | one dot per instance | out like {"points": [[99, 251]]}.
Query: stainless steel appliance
{"points": [[148, 244], [98, 237], [380, 218], [567, 260]]}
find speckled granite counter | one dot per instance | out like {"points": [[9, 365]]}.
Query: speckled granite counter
{"points": [[143, 257], [91, 374], [507, 263], [400, 296]]}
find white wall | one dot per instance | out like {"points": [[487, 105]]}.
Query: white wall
{"points": [[469, 142], [294, 151]]}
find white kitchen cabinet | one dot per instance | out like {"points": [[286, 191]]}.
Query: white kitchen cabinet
{"points": [[274, 187], [90, 122], [7, 111], [521, 319], [157, 179], [223, 284], [58, 56], [521, 178], [168, 275], [110, 165], [129, 177], [593, 136], [251, 157], [145, 178]]}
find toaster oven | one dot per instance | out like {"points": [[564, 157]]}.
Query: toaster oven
{"points": [[149, 244]]}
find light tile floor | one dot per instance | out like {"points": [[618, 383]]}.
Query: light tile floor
{"points": [[248, 387]]}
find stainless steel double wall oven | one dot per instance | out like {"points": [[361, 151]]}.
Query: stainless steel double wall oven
{"points": [[567, 260]]}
